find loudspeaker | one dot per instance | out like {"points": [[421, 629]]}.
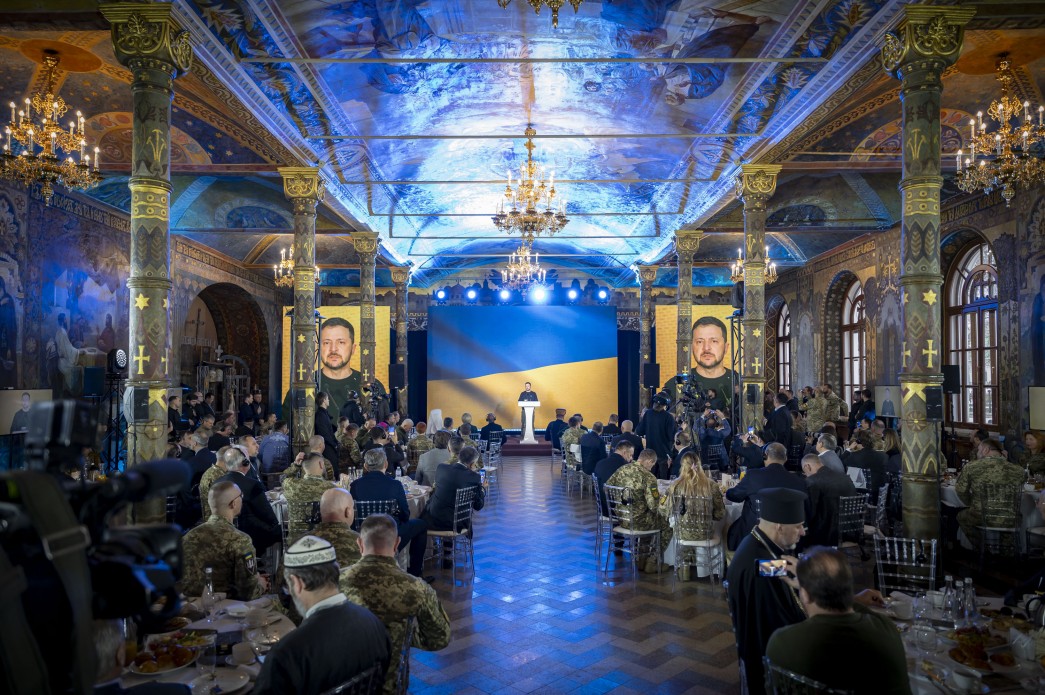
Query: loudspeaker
{"points": [[140, 403], [933, 403], [752, 394], [736, 296], [651, 375], [300, 399], [93, 382], [952, 377], [396, 376]]}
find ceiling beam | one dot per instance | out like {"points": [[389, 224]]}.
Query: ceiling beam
{"points": [[521, 60], [551, 136], [497, 182], [124, 168]]}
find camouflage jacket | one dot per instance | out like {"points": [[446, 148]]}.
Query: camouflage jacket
{"points": [[834, 408], [571, 436], [300, 494], [340, 535], [351, 456], [644, 496], [815, 413], [417, 446], [976, 474], [209, 476], [377, 583], [1034, 462], [216, 543]]}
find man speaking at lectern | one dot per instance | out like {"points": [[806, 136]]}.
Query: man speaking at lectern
{"points": [[527, 395]]}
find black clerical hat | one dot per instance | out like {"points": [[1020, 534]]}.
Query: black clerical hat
{"points": [[781, 505]]}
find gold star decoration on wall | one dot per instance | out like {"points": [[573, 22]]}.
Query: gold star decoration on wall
{"points": [[757, 332], [141, 301], [301, 337], [929, 297]]}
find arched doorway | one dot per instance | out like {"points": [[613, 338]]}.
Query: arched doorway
{"points": [[238, 328], [836, 357]]}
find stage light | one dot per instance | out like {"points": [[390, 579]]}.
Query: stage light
{"points": [[572, 294], [604, 295], [505, 295], [538, 294], [440, 295], [471, 294]]}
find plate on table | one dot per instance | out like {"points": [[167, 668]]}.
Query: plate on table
{"points": [[224, 680], [1004, 662], [264, 603], [974, 662]]}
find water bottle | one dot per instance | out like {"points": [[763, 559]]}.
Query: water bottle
{"points": [[399, 471], [959, 604], [971, 613], [207, 599], [948, 599]]}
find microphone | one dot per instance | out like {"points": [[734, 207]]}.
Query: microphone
{"points": [[150, 479]]}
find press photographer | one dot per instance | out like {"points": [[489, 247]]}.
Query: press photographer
{"points": [[64, 562]]}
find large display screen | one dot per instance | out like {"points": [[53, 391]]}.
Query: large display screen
{"points": [[479, 359]]}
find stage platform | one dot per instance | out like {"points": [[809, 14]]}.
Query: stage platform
{"points": [[512, 447]]}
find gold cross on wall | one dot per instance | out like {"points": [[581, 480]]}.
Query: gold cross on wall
{"points": [[906, 354], [142, 359], [301, 371], [930, 353]]}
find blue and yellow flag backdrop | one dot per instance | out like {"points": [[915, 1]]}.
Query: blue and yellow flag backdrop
{"points": [[480, 357]]}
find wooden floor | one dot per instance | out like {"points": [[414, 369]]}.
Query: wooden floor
{"points": [[540, 617]]}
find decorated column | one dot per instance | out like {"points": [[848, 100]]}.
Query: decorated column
{"points": [[365, 244], [754, 186], [647, 275], [401, 278], [687, 241], [926, 41], [304, 189], [156, 50]]}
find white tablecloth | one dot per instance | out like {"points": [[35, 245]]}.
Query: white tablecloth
{"points": [[1028, 508]]}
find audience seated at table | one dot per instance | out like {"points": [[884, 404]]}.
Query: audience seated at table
{"points": [[627, 428], [218, 544], [841, 644], [990, 467], [217, 470], [773, 475], [449, 478], [317, 657], [1033, 458], [572, 436], [302, 493], [593, 449], [891, 447], [683, 445], [111, 654], [376, 486], [430, 460], [417, 447], [554, 429], [611, 428], [376, 583], [349, 455], [643, 501], [276, 452], [622, 454], [318, 445], [256, 519], [861, 453], [825, 487], [379, 439], [694, 482], [825, 449], [455, 446]]}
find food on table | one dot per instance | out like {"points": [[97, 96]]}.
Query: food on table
{"points": [[971, 657], [974, 637], [175, 623], [1003, 659], [172, 651]]}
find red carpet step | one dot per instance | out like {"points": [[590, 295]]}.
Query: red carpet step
{"points": [[512, 447]]}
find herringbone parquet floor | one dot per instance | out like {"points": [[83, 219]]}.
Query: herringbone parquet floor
{"points": [[540, 617]]}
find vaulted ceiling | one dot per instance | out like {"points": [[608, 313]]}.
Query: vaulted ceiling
{"points": [[415, 110]]}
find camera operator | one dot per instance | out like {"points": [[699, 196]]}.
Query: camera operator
{"points": [[658, 427], [713, 431], [748, 448], [351, 409], [375, 401]]}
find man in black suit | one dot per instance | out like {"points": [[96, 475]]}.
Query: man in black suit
{"points": [[593, 449], [187, 506], [526, 395], [350, 409], [174, 415], [623, 453], [628, 435], [257, 519], [611, 428], [221, 436], [792, 402], [205, 406], [779, 422], [825, 487], [555, 428], [491, 430], [748, 448], [375, 485], [683, 445], [773, 475], [449, 478], [246, 410], [861, 454], [325, 429], [379, 440], [658, 427]]}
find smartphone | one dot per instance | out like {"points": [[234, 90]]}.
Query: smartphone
{"points": [[750, 430], [772, 568]]}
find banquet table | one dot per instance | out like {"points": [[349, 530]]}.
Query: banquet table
{"points": [[1030, 517], [229, 631], [416, 496], [733, 511]]}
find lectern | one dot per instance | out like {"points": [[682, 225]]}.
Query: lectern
{"points": [[527, 428]]}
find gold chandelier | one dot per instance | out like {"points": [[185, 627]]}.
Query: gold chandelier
{"points": [[1004, 158], [523, 269], [531, 211], [22, 161], [736, 269], [553, 5], [283, 272]]}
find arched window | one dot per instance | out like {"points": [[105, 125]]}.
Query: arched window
{"points": [[854, 358], [783, 349], [972, 336]]}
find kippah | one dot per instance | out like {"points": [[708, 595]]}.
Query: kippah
{"points": [[308, 551]]}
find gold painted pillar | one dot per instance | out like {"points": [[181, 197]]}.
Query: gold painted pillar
{"points": [[401, 279], [926, 41], [365, 244], [156, 50], [687, 241], [754, 186], [304, 189], [647, 275]]}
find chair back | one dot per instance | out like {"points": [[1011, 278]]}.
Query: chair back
{"points": [[691, 517], [894, 510], [851, 517], [905, 564], [780, 681], [365, 508], [367, 682], [881, 509], [403, 669], [618, 505], [1000, 505], [463, 507], [302, 515]]}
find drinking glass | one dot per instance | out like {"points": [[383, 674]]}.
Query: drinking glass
{"points": [[208, 603], [208, 660], [925, 638]]}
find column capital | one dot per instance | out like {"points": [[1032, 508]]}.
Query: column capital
{"points": [[925, 33], [647, 275], [302, 182], [756, 182], [687, 241], [400, 275], [147, 31], [365, 242]]}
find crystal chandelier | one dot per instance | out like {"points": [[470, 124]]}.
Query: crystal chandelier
{"points": [[531, 203], [1010, 157], [523, 269], [553, 5], [33, 148], [283, 272], [736, 269]]}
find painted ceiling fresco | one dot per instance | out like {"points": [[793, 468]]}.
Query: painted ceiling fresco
{"points": [[415, 111]]}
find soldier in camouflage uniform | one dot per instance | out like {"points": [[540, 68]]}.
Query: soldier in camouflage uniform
{"points": [[217, 544], [572, 435], [302, 493], [465, 431], [990, 468], [216, 471], [834, 407], [641, 488], [351, 456], [415, 447], [377, 583]]}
